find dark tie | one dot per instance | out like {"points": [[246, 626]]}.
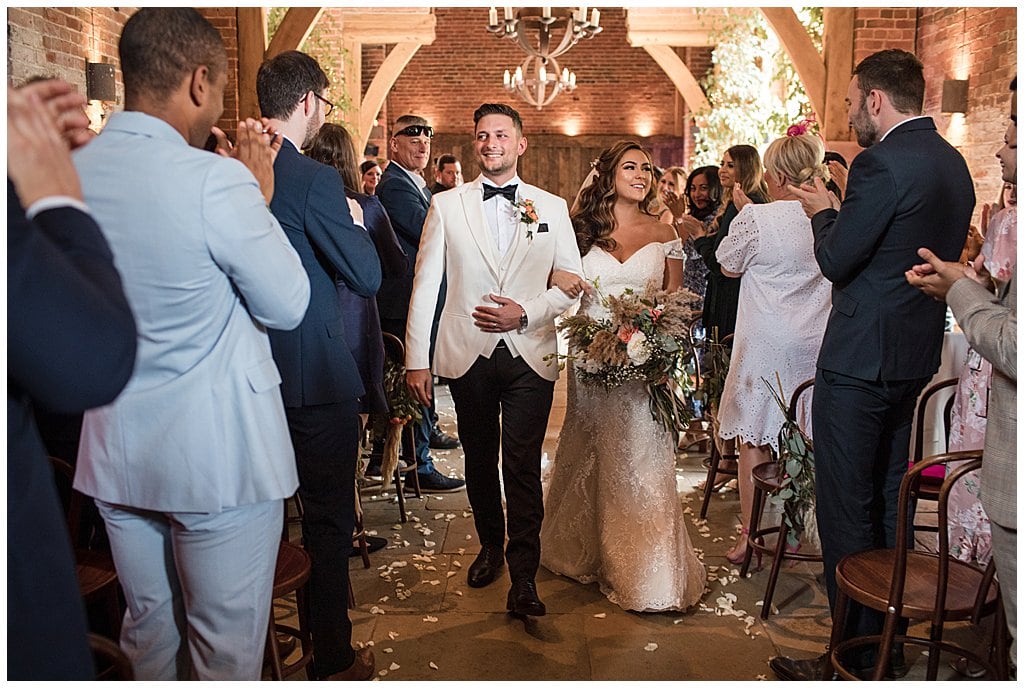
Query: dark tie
{"points": [[509, 192]]}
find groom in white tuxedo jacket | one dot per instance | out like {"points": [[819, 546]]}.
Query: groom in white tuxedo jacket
{"points": [[498, 240]]}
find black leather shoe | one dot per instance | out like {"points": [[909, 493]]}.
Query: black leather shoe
{"points": [[434, 482], [788, 669], [486, 567], [442, 440], [523, 600]]}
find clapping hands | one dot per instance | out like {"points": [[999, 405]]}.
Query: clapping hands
{"points": [[256, 148], [44, 122]]}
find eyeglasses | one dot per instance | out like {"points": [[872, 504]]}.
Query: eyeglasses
{"points": [[416, 130], [329, 104]]}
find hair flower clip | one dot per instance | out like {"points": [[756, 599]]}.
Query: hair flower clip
{"points": [[802, 127]]}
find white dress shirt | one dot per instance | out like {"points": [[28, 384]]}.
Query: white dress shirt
{"points": [[503, 218]]}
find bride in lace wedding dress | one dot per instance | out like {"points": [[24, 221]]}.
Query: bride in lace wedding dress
{"points": [[612, 513]]}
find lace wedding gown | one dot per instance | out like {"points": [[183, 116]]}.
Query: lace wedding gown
{"points": [[612, 513]]}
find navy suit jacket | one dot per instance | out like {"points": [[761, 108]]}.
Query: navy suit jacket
{"points": [[70, 347], [407, 208], [910, 190], [309, 202]]}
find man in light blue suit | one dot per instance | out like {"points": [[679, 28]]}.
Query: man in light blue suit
{"points": [[189, 465]]}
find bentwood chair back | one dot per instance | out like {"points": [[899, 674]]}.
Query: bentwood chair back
{"points": [[916, 585], [714, 459]]}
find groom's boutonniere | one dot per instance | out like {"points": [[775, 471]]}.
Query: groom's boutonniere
{"points": [[527, 215]]}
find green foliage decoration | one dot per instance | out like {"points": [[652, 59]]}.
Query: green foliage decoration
{"points": [[753, 89]]}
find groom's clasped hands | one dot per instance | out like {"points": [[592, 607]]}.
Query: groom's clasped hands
{"points": [[503, 318]]}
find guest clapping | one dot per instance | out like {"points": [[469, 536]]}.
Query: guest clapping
{"points": [[190, 464], [783, 309]]}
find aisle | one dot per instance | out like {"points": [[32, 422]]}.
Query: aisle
{"points": [[426, 623]]}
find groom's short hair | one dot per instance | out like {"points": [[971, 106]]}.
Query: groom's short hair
{"points": [[498, 109]]}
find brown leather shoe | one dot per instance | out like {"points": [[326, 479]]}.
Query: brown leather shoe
{"points": [[361, 669], [788, 669]]}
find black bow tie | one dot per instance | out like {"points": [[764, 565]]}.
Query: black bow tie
{"points": [[509, 192]]}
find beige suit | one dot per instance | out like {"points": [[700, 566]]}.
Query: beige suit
{"points": [[990, 323], [458, 241]]}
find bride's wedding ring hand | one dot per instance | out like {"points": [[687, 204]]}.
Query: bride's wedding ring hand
{"points": [[570, 283]]}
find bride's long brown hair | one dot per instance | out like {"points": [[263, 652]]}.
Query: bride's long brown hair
{"points": [[592, 217]]}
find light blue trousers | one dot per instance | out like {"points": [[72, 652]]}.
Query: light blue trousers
{"points": [[198, 589]]}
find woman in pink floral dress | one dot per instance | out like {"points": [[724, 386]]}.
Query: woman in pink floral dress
{"points": [[970, 536]]}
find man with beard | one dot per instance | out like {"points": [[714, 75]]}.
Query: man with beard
{"points": [[884, 338], [320, 381]]}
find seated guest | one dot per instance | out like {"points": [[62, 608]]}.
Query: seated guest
{"points": [[783, 308], [333, 146], [448, 174], [370, 174], [190, 464], [72, 349]]}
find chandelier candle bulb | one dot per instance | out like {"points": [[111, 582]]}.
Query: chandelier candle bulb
{"points": [[572, 80], [595, 16], [492, 17], [581, 14], [565, 75], [508, 14], [508, 79], [542, 73], [546, 12]]}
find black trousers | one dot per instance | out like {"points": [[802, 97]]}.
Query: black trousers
{"points": [[326, 440], [502, 403], [861, 449]]}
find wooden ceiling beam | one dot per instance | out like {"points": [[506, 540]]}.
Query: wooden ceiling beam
{"points": [[294, 29], [806, 59]]}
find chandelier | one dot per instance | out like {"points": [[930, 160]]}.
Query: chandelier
{"points": [[524, 24], [538, 80], [543, 35]]}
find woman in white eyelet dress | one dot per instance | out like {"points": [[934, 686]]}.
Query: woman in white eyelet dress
{"points": [[612, 512]]}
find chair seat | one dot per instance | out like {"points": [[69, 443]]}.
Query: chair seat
{"points": [[768, 476], [95, 571], [292, 570], [866, 576]]}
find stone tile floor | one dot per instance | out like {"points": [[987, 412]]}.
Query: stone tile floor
{"points": [[425, 623]]}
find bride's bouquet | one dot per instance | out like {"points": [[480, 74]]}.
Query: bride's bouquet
{"points": [[646, 338]]}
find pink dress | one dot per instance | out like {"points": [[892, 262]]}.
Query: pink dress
{"points": [[970, 535]]}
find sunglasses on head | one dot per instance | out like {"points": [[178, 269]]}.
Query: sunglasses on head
{"points": [[416, 130]]}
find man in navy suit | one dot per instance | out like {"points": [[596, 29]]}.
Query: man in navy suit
{"points": [[404, 194], [71, 347], [909, 188], [320, 381]]}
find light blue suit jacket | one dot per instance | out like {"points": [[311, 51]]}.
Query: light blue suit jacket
{"points": [[200, 426]]}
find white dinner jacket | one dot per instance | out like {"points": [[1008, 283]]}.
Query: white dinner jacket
{"points": [[206, 268], [457, 242]]}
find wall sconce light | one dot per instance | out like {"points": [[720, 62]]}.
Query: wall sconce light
{"points": [[954, 96], [99, 81]]}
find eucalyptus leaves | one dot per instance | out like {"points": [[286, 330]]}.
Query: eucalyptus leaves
{"points": [[796, 461]]}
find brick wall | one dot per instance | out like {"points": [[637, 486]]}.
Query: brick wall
{"points": [[878, 28], [620, 90], [226, 21], [58, 41], [979, 43]]}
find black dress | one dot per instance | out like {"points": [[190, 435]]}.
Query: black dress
{"points": [[723, 293], [362, 320]]}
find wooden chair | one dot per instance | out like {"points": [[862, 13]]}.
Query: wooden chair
{"points": [[290, 576], [111, 663], [714, 459], [395, 351], [768, 480], [916, 585], [931, 481], [358, 536], [97, 577]]}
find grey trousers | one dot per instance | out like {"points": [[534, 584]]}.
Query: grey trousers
{"points": [[1004, 551]]}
